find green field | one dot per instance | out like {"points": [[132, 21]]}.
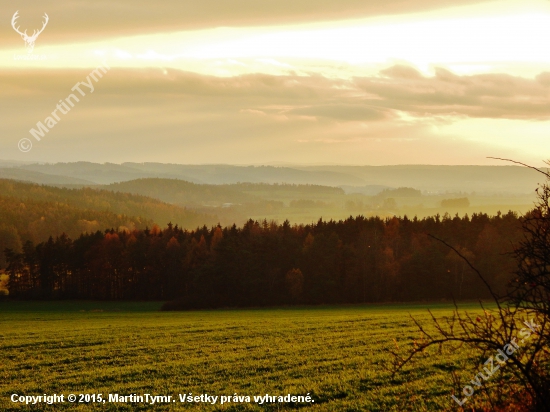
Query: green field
{"points": [[336, 354]]}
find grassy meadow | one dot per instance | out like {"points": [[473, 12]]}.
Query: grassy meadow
{"points": [[336, 354]]}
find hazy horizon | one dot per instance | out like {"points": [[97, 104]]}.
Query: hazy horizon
{"points": [[272, 164]]}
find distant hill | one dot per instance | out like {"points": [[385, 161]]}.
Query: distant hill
{"points": [[182, 192], [278, 189], [441, 179], [96, 173], [13, 163], [430, 179], [103, 206], [212, 174], [227, 174], [191, 194], [22, 220], [41, 178]]}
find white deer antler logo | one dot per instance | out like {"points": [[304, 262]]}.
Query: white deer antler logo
{"points": [[29, 40]]}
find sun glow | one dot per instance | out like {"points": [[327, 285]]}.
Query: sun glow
{"points": [[515, 43], [363, 90]]}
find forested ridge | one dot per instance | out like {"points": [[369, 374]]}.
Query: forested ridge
{"points": [[35, 212], [264, 263], [182, 192], [36, 221]]}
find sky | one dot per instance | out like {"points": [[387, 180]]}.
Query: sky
{"points": [[354, 82]]}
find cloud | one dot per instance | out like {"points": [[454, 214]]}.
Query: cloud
{"points": [[401, 72], [75, 21], [341, 112], [491, 95], [170, 115], [366, 99]]}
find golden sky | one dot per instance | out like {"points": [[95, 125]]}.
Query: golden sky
{"points": [[308, 82]]}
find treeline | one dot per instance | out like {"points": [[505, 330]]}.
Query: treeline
{"points": [[399, 192], [262, 263]]}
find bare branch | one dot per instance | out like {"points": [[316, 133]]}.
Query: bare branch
{"points": [[523, 164]]}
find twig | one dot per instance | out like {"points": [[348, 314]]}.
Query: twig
{"points": [[523, 164]]}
